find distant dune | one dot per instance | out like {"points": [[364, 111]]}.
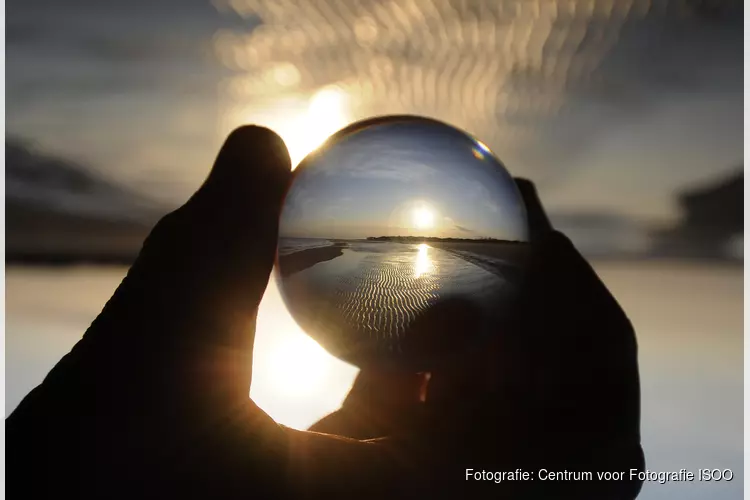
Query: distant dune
{"points": [[35, 235], [58, 212], [421, 239]]}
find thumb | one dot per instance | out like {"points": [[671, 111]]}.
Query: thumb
{"points": [[187, 306], [539, 223]]}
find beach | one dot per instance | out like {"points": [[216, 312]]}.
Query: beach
{"points": [[362, 296], [295, 262], [298, 254], [506, 259]]}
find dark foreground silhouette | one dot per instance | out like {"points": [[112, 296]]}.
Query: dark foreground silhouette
{"points": [[153, 401]]}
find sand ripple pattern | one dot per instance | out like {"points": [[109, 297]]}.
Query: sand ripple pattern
{"points": [[366, 299], [385, 296]]}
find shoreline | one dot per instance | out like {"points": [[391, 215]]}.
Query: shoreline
{"points": [[505, 270], [299, 261], [504, 261]]}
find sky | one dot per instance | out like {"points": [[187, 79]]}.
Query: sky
{"points": [[609, 106], [408, 178]]}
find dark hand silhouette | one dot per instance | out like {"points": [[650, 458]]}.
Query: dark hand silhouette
{"points": [[557, 388], [153, 401]]}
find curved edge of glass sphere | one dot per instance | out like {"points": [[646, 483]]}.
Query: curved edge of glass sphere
{"points": [[415, 359]]}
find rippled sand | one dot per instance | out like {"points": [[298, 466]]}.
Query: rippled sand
{"points": [[366, 299]]}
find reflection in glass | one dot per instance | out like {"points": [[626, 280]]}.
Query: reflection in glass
{"points": [[423, 263], [386, 221]]}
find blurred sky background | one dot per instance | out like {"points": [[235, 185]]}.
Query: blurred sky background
{"points": [[627, 113]]}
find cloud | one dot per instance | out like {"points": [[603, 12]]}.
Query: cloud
{"points": [[82, 50], [388, 173], [546, 85], [449, 222], [48, 183], [371, 160], [297, 203], [492, 207], [541, 85]]}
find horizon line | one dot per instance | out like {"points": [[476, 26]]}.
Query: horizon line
{"points": [[433, 238]]}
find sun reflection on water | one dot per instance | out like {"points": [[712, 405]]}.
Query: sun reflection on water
{"points": [[423, 263]]}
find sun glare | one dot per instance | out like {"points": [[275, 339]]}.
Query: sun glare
{"points": [[423, 263], [302, 365], [295, 380], [305, 124], [325, 115], [424, 218]]}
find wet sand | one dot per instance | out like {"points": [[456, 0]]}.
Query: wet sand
{"points": [[299, 261], [365, 298], [511, 252], [499, 255], [506, 260]]}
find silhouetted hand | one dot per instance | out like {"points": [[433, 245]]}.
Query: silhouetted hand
{"points": [[556, 389], [153, 401]]}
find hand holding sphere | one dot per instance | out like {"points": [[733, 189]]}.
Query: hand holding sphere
{"points": [[153, 401]]}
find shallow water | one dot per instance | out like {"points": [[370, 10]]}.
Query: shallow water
{"points": [[367, 299], [291, 245]]}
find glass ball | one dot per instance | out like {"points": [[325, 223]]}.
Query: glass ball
{"points": [[402, 241]]}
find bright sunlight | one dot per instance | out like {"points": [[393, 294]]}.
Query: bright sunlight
{"points": [[305, 123], [295, 380], [423, 218], [423, 264]]}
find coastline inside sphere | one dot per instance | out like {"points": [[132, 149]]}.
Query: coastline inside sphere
{"points": [[391, 232]]}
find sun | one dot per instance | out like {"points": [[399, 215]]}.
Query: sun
{"points": [[303, 122], [423, 218]]}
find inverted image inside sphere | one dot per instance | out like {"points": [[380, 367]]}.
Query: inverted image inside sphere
{"points": [[387, 228]]}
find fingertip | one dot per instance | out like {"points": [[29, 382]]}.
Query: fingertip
{"points": [[539, 223], [261, 141], [529, 193], [524, 185], [259, 145], [253, 166]]}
